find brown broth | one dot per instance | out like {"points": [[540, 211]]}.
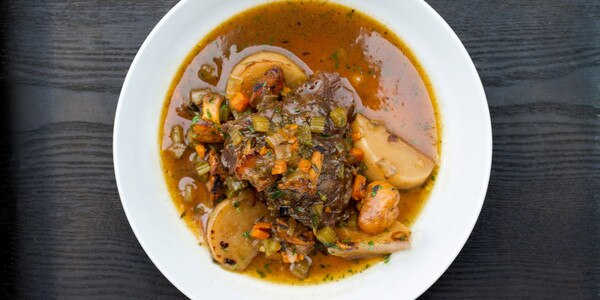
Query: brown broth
{"points": [[321, 36]]}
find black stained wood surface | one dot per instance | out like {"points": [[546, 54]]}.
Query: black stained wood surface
{"points": [[64, 232]]}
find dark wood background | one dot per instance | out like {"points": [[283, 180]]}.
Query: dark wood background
{"points": [[65, 235]]}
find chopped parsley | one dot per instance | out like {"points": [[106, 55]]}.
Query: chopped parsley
{"points": [[236, 204], [246, 234], [195, 119], [276, 194], [386, 258], [375, 189], [261, 273], [336, 58]]}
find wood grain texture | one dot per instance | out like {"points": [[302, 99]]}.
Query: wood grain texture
{"points": [[62, 64]]}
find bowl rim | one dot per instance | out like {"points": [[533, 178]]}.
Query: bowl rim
{"points": [[488, 144]]}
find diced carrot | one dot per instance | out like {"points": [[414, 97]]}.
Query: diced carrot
{"points": [[262, 225], [358, 187], [295, 145], [291, 129], [201, 150], [355, 136], [239, 102], [263, 151], [317, 161], [356, 155], [327, 209], [280, 167], [304, 165], [259, 234]]}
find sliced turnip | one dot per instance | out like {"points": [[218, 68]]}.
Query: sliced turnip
{"points": [[227, 228], [389, 158], [357, 244], [252, 68]]}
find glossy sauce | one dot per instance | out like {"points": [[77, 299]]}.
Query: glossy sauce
{"points": [[317, 36]]}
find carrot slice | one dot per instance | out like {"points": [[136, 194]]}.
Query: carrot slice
{"points": [[262, 225], [280, 167], [259, 234], [358, 187], [356, 155], [201, 150], [264, 150], [304, 165], [355, 136], [240, 102]]}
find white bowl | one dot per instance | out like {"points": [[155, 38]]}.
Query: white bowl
{"points": [[440, 231]]}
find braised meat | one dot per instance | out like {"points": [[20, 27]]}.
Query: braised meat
{"points": [[270, 85], [316, 185]]}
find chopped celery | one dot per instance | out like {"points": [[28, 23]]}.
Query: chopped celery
{"points": [[274, 140], [317, 214], [236, 136], [327, 236], [271, 247], [224, 112], [304, 135], [202, 168], [317, 124], [260, 123], [177, 134], [300, 269], [338, 117], [234, 86], [283, 152]]}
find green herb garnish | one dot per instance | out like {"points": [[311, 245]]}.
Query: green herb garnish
{"points": [[336, 58], [276, 194], [375, 189]]}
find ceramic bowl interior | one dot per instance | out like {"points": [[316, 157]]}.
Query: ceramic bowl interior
{"points": [[440, 231]]}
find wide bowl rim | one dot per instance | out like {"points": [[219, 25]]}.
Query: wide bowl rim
{"points": [[488, 144]]}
